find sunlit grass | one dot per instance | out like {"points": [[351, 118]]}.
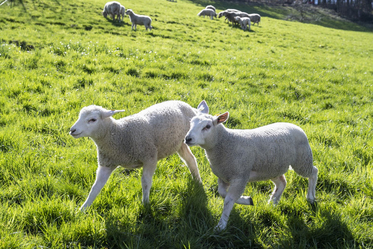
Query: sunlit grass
{"points": [[56, 57]]}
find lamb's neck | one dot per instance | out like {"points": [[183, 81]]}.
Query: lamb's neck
{"points": [[219, 137], [107, 136]]}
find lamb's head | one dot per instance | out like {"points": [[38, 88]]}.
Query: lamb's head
{"points": [[91, 120], [129, 12], [104, 13], [202, 126]]}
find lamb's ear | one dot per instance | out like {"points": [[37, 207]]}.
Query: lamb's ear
{"points": [[203, 107], [222, 118], [110, 113]]}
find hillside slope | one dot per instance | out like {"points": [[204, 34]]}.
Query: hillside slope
{"points": [[58, 56]]}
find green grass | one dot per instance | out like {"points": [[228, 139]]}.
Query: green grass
{"points": [[58, 56]]}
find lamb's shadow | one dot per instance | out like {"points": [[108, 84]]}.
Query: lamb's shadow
{"points": [[162, 224], [332, 231], [237, 26], [117, 23]]}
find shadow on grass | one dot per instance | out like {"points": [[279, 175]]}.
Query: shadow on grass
{"points": [[117, 23], [315, 228], [159, 226], [190, 224], [321, 230], [14, 2]]}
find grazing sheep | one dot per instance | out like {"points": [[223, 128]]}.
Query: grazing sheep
{"points": [[139, 140], [111, 8], [243, 21], [241, 14], [122, 12], [232, 17], [255, 18], [232, 14], [207, 12], [225, 12], [222, 13], [139, 19], [241, 156], [210, 7]]}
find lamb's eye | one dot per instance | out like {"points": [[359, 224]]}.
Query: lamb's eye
{"points": [[92, 120], [207, 127]]}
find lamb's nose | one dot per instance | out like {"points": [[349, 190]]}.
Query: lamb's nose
{"points": [[188, 140], [72, 131]]}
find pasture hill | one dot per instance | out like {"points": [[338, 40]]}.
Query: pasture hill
{"points": [[59, 56]]}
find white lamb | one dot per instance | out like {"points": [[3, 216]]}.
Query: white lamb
{"points": [[139, 140], [111, 8], [139, 19], [207, 12], [255, 18], [241, 156], [244, 21]]}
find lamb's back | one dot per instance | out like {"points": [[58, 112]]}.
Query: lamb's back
{"points": [[273, 147], [169, 122]]}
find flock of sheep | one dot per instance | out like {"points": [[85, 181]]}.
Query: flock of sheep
{"points": [[236, 156], [117, 11], [232, 15]]}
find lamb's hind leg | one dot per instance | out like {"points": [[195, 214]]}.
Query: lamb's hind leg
{"points": [[189, 159], [312, 180], [280, 184], [147, 178], [222, 189]]}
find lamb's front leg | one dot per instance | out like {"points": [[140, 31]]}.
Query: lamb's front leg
{"points": [[147, 178], [190, 160], [236, 189], [102, 175]]}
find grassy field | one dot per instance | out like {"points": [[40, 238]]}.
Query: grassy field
{"points": [[59, 56]]}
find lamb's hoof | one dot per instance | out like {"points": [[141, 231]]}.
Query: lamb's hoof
{"points": [[219, 228], [311, 201], [251, 201]]}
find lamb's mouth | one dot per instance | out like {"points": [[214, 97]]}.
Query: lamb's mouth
{"points": [[190, 143], [75, 135]]}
